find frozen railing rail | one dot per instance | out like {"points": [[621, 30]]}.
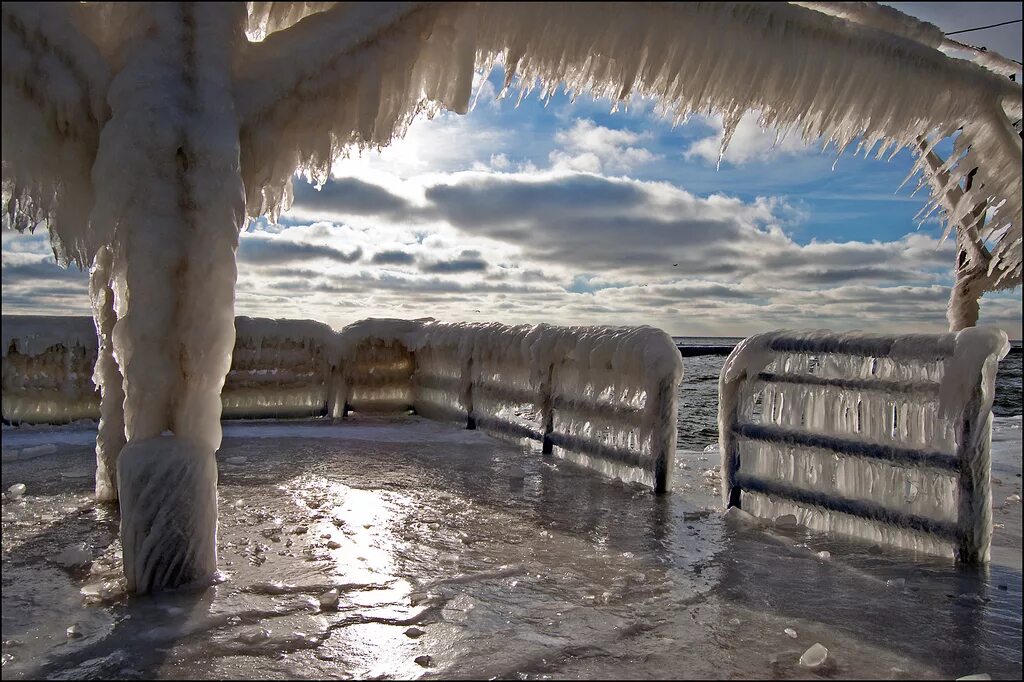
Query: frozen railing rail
{"points": [[883, 437]]}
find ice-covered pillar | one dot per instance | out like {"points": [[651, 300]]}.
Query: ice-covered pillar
{"points": [[965, 300], [337, 390], [167, 176], [107, 378], [663, 439]]}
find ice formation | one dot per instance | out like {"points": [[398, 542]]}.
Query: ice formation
{"points": [[153, 130], [881, 437], [168, 512]]}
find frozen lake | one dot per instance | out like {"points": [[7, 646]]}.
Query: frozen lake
{"points": [[490, 561]]}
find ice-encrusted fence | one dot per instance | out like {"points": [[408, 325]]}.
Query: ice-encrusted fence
{"points": [[603, 396], [279, 368], [881, 437], [47, 369]]}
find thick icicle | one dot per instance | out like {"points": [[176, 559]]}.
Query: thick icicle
{"points": [[110, 438]]}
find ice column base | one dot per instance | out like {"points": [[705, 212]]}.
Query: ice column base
{"points": [[168, 496]]}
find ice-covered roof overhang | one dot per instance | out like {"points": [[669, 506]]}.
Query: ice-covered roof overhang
{"points": [[315, 78]]}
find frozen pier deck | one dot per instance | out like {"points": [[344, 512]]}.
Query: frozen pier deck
{"points": [[489, 560]]}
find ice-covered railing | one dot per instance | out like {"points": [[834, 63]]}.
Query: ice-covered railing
{"points": [[47, 369], [602, 396], [882, 437], [372, 368], [279, 368]]}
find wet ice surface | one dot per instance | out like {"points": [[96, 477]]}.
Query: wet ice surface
{"points": [[452, 554]]}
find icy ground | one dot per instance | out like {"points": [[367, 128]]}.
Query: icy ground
{"points": [[456, 555]]}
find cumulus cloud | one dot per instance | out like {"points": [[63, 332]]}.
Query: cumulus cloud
{"points": [[749, 143], [591, 148]]}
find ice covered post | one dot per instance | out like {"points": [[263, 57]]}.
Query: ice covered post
{"points": [[154, 130]]}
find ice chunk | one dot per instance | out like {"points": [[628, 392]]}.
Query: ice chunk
{"points": [[106, 590], [896, 583], [16, 491], [975, 676], [824, 556], [814, 657], [254, 635], [236, 460], [329, 599], [73, 555], [738, 515], [786, 521], [791, 633]]}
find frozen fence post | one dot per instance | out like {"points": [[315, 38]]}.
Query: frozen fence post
{"points": [[547, 411], [663, 438], [974, 453], [882, 437], [337, 393], [467, 396]]}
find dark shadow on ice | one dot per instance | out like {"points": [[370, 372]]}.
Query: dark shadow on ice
{"points": [[953, 618], [146, 626]]}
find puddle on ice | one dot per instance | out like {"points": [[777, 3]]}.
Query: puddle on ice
{"points": [[433, 551]]}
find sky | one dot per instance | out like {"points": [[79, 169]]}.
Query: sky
{"points": [[569, 213]]}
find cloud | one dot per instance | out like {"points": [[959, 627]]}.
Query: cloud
{"points": [[393, 258], [749, 143], [264, 249], [468, 261], [655, 230], [591, 148], [346, 196]]}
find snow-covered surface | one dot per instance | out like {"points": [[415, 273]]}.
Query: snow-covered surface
{"points": [[883, 437], [506, 564]]}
